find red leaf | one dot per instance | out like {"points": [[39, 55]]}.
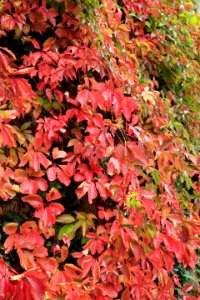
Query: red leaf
{"points": [[110, 291], [114, 166], [128, 106], [78, 177], [83, 168], [9, 52], [32, 285], [171, 244], [105, 214], [103, 191], [29, 226], [92, 192], [4, 61], [149, 205], [136, 151], [37, 159], [40, 251], [169, 261], [82, 189], [34, 200], [7, 288], [9, 243], [51, 15], [42, 184], [49, 265], [58, 153], [38, 141], [86, 264], [176, 280], [63, 177], [98, 120], [127, 112], [53, 194], [28, 241], [184, 234], [114, 231], [7, 136], [35, 44], [29, 70], [34, 57], [52, 173], [56, 208], [137, 250], [95, 271], [48, 214], [48, 43], [155, 257], [188, 287], [21, 94], [29, 187], [26, 257], [83, 97]]}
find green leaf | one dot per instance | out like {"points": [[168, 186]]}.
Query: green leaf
{"points": [[185, 134], [46, 104], [148, 24], [188, 182], [84, 224], [25, 126], [66, 219], [156, 177], [194, 20], [56, 105], [132, 201], [69, 230]]}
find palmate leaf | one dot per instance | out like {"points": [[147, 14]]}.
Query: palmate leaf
{"points": [[30, 284], [47, 215], [83, 221], [31, 186]]}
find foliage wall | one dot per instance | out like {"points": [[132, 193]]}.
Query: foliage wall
{"points": [[99, 149]]}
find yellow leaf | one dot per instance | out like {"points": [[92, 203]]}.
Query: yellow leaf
{"points": [[108, 31], [123, 28]]}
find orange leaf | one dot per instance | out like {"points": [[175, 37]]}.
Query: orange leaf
{"points": [[10, 228]]}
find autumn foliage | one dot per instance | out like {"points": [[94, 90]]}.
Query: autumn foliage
{"points": [[99, 149]]}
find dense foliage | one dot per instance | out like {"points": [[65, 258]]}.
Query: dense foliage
{"points": [[99, 157]]}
